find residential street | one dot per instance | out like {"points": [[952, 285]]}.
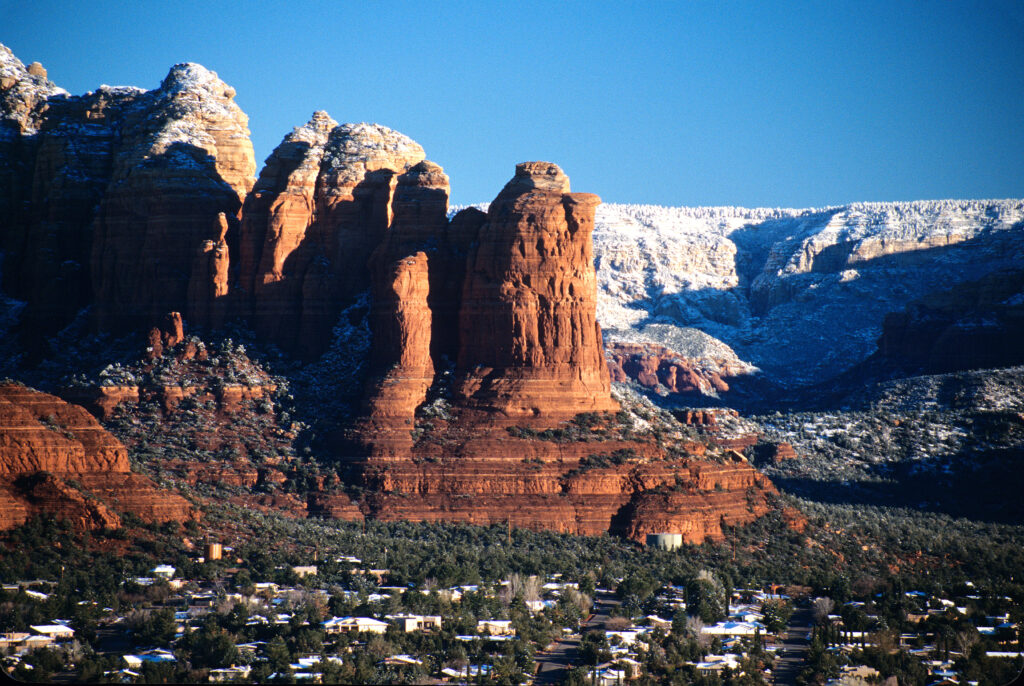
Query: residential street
{"points": [[555, 662], [794, 647]]}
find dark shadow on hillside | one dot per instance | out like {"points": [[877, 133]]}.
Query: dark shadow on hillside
{"points": [[982, 486]]}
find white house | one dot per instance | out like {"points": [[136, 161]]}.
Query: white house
{"points": [[54, 631], [344, 625], [734, 629], [163, 571]]}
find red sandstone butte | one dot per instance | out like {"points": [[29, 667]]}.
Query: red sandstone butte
{"points": [[56, 459], [530, 347], [529, 358], [401, 365]]}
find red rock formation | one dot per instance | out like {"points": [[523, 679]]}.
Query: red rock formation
{"points": [[322, 205], [184, 158], [401, 365], [661, 369], [57, 459], [779, 452], [274, 250], [170, 332], [530, 345], [564, 487], [530, 358], [208, 285], [55, 166]]}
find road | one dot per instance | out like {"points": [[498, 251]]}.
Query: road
{"points": [[794, 647], [556, 660]]}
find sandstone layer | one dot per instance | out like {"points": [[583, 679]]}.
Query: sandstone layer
{"points": [[58, 460]]}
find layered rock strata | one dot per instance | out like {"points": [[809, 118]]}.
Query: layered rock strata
{"points": [[494, 444], [401, 320], [106, 197], [627, 487], [664, 371], [321, 206], [530, 346], [56, 459]]}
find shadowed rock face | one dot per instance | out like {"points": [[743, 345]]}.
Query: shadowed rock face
{"points": [[401, 318], [322, 205], [530, 345], [274, 253], [56, 459], [184, 159]]}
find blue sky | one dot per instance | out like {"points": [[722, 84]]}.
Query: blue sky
{"points": [[748, 103]]}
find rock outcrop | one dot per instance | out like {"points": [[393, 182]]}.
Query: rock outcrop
{"points": [[275, 248], [402, 368], [573, 488], [527, 431], [530, 346], [976, 325], [184, 159], [106, 197], [322, 205], [58, 460], [665, 371]]}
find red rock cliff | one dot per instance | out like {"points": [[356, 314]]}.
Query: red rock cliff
{"points": [[56, 459], [500, 446], [184, 158]]}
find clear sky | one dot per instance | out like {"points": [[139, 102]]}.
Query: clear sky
{"points": [[693, 103]]}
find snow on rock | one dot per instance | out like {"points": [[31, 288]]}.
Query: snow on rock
{"points": [[800, 294]]}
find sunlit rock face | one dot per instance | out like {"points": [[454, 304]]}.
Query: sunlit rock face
{"points": [[530, 345], [56, 459]]}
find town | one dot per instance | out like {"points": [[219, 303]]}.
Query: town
{"points": [[337, 620]]}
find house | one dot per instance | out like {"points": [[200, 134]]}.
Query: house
{"points": [[734, 629], [54, 631], [402, 661], [9, 640], [34, 642], [230, 673], [611, 677], [163, 571], [862, 671], [468, 672], [407, 622], [495, 627], [716, 663], [303, 571], [657, 622], [345, 625], [155, 655], [626, 638]]}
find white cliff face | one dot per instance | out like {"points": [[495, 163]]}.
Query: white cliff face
{"points": [[800, 294]]}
